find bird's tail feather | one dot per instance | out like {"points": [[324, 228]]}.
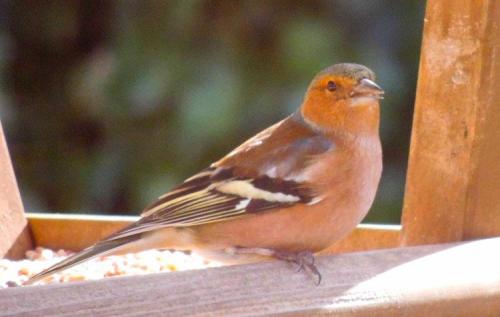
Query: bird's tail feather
{"points": [[100, 248]]}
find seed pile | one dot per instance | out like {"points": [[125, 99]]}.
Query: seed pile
{"points": [[153, 261]]}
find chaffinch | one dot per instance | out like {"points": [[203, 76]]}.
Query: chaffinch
{"points": [[290, 191]]}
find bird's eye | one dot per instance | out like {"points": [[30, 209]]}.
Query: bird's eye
{"points": [[331, 86]]}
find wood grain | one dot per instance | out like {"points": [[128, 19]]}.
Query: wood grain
{"points": [[439, 280], [453, 180], [12, 221]]}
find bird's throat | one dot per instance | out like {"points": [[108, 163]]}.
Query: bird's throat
{"points": [[362, 118]]}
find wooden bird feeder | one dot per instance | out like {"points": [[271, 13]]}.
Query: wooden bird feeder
{"points": [[442, 261]]}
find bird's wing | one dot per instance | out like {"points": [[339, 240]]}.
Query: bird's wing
{"points": [[233, 187], [266, 172], [216, 195]]}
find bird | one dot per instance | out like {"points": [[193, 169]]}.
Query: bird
{"points": [[287, 193]]}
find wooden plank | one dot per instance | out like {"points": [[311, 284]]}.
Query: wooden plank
{"points": [[453, 181], [21, 244], [76, 232], [73, 232], [438, 280], [15, 237], [368, 237]]}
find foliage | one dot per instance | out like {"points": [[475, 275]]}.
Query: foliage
{"points": [[107, 105]]}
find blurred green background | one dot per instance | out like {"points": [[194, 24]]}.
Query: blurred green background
{"points": [[108, 104]]}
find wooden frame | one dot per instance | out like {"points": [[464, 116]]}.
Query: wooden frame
{"points": [[14, 232], [435, 280], [452, 194], [76, 232], [453, 183]]}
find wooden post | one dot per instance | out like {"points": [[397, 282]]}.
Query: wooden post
{"points": [[14, 233], [453, 181]]}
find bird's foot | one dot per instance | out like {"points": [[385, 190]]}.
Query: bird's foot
{"points": [[305, 259]]}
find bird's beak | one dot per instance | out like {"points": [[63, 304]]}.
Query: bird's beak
{"points": [[367, 88]]}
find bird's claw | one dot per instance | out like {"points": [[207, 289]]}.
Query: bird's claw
{"points": [[305, 261]]}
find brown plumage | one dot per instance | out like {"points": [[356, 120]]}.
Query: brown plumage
{"points": [[290, 191]]}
